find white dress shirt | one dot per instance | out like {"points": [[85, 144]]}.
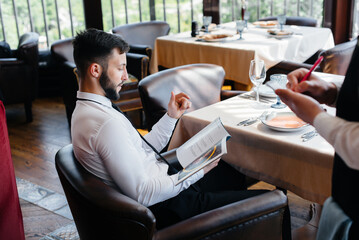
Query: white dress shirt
{"points": [[341, 134], [108, 146]]}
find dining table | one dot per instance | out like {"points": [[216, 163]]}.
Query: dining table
{"points": [[278, 157], [234, 55]]}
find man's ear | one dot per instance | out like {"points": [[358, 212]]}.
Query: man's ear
{"points": [[95, 70]]}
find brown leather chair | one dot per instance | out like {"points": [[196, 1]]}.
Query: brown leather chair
{"points": [[299, 21], [137, 65], [19, 73], [102, 212], [336, 61], [202, 82]]}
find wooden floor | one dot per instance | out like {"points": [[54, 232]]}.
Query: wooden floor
{"points": [[33, 147]]}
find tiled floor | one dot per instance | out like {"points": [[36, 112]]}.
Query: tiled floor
{"points": [[51, 201]]}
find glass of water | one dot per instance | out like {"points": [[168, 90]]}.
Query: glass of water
{"points": [[207, 20], [281, 79], [281, 20], [240, 27], [257, 74]]}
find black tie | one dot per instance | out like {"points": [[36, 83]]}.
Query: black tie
{"points": [[171, 169]]}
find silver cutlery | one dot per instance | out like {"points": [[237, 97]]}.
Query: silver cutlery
{"points": [[252, 120], [309, 135], [248, 96]]}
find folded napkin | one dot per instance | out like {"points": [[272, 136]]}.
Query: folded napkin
{"points": [[334, 224]]}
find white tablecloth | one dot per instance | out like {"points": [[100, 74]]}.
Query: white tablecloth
{"points": [[279, 158], [235, 55]]}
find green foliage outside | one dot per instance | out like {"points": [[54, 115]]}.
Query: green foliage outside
{"points": [[133, 15]]}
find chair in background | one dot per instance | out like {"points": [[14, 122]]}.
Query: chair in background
{"points": [[299, 21], [137, 66], [142, 36], [202, 82], [335, 61], [11, 223], [102, 212], [19, 73]]}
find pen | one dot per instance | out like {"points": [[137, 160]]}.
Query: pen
{"points": [[319, 60]]}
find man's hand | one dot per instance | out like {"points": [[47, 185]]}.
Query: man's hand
{"points": [[322, 91], [210, 166], [303, 106], [178, 105]]}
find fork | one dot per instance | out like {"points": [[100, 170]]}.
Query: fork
{"points": [[248, 96], [309, 135], [252, 120]]}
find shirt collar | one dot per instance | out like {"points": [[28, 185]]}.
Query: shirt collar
{"points": [[94, 97]]}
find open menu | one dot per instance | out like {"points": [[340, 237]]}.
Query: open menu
{"points": [[202, 149]]}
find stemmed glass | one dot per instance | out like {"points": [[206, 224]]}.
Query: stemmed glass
{"points": [[240, 27], [257, 74], [207, 20], [281, 80], [281, 20], [246, 18], [244, 8]]}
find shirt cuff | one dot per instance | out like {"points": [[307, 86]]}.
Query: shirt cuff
{"points": [[166, 118], [325, 124]]}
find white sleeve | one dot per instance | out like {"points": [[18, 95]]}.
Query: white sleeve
{"points": [[161, 132], [342, 135], [138, 177]]}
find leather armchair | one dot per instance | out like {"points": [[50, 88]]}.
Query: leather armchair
{"points": [[143, 33], [19, 74], [137, 65], [336, 61], [202, 82], [299, 21], [102, 212], [142, 36]]}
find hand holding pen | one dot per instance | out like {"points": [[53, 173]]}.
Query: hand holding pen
{"points": [[301, 81], [319, 60]]}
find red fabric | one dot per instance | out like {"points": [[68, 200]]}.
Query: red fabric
{"points": [[11, 224]]}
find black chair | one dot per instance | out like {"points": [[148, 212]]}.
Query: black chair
{"points": [[137, 65], [335, 61], [19, 73], [299, 21], [202, 82], [102, 212]]}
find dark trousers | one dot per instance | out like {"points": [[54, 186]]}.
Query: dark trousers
{"points": [[221, 186]]}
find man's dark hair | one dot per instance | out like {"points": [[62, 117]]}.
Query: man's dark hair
{"points": [[94, 45]]}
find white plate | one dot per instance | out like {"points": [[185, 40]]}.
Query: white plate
{"points": [[274, 34], [215, 40], [266, 27], [265, 91], [279, 36], [284, 122], [258, 25]]}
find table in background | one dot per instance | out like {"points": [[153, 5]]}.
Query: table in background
{"points": [[235, 55], [279, 158]]}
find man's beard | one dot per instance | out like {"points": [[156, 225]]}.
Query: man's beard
{"points": [[108, 87]]}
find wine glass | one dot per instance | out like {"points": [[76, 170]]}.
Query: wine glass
{"points": [[246, 18], [281, 20], [257, 74], [281, 79], [244, 8], [207, 20], [240, 27]]}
